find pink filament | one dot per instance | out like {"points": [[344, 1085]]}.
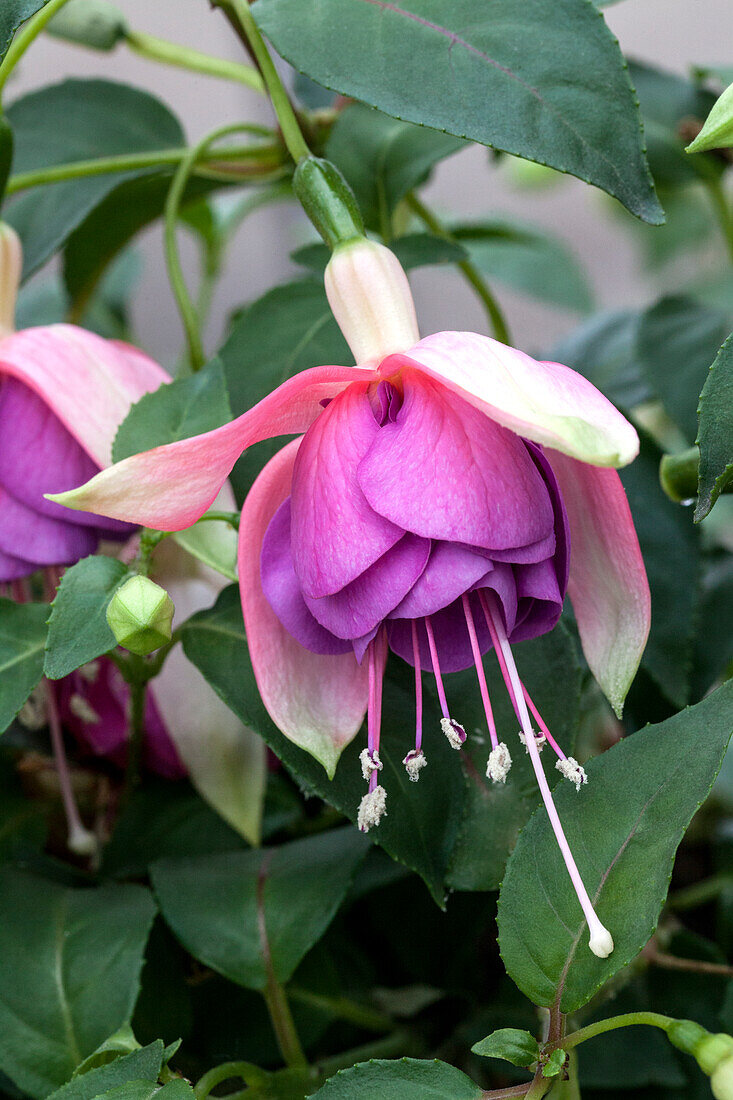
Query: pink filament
{"points": [[543, 725], [418, 687], [76, 830], [476, 650], [436, 669]]}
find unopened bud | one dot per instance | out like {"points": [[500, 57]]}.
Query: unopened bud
{"points": [[721, 1081], [713, 1054], [140, 615], [11, 265]]}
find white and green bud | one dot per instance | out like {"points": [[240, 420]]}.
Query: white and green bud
{"points": [[713, 1054], [140, 615]]}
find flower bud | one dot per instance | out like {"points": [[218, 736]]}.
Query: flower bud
{"points": [[140, 615], [712, 1051], [370, 298], [11, 264], [721, 1081]]}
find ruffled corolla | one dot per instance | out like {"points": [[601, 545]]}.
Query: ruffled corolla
{"points": [[430, 507]]}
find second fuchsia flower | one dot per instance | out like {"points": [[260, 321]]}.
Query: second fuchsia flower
{"points": [[429, 508]]}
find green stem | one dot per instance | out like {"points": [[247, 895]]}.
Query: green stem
{"points": [[628, 1019], [183, 57], [268, 156], [292, 134], [470, 272], [186, 307], [343, 1008], [283, 1023], [225, 1072], [136, 735], [722, 209], [26, 36], [539, 1087]]}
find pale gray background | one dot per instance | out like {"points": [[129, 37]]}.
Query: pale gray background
{"points": [[671, 33]]}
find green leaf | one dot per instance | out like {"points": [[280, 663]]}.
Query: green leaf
{"points": [[408, 1079], [12, 14], [384, 158], [717, 133], [715, 432], [252, 916], [69, 971], [138, 1066], [285, 331], [714, 641], [670, 547], [528, 260], [554, 1063], [121, 1042], [412, 250], [515, 1046], [495, 812], [92, 23], [543, 79], [78, 120], [422, 824], [604, 350], [624, 828], [22, 641], [23, 824], [77, 629], [677, 341], [185, 407]]}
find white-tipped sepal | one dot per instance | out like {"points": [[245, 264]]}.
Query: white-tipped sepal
{"points": [[454, 731], [499, 763], [571, 769], [372, 809], [601, 940], [370, 298], [539, 739], [370, 763], [414, 762]]}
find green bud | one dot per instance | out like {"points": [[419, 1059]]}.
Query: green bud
{"points": [[721, 1081], [328, 201], [712, 1051], [140, 615], [687, 1036], [92, 23]]}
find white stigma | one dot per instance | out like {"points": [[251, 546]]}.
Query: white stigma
{"points": [[601, 941], [539, 739], [370, 763], [571, 769], [80, 841], [414, 762], [454, 731], [499, 763], [372, 809]]}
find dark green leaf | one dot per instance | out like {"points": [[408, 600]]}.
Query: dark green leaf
{"points": [[383, 159], [78, 120], [138, 1066], [495, 813], [69, 973], [624, 828], [22, 820], [412, 250], [670, 547], [12, 14], [554, 1063], [121, 1042], [186, 407], [421, 826], [543, 79], [715, 432], [714, 641], [287, 330], [677, 341], [408, 1079], [78, 630], [528, 260], [515, 1046], [253, 915], [604, 350], [22, 641]]}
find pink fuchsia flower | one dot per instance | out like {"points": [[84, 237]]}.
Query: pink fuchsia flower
{"points": [[429, 508]]}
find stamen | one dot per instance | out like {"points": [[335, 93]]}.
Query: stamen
{"points": [[539, 739], [414, 762], [478, 662], [570, 769], [374, 716], [542, 724], [372, 809], [370, 763], [453, 730], [80, 840], [498, 764], [418, 688], [601, 942]]}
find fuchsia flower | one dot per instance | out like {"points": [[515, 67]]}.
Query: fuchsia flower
{"points": [[430, 509]]}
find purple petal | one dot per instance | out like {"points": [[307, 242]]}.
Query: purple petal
{"points": [[445, 470], [39, 539], [538, 581], [12, 568], [336, 535], [451, 571], [364, 603], [561, 552], [282, 588]]}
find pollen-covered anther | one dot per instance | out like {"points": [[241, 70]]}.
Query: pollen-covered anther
{"points": [[539, 739], [499, 763], [454, 731], [414, 762], [571, 769], [372, 809], [370, 763]]}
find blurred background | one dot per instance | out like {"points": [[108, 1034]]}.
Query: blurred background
{"points": [[672, 34]]}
